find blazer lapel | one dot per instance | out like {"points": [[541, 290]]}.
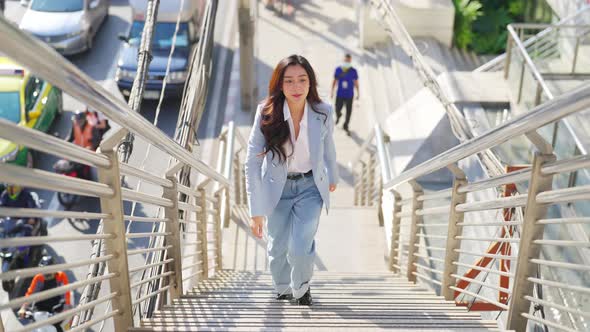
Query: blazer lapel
{"points": [[313, 133]]}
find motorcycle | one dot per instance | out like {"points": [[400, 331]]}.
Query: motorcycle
{"points": [[33, 315], [24, 256], [20, 257], [75, 170]]}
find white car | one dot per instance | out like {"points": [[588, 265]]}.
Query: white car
{"points": [[69, 26]]}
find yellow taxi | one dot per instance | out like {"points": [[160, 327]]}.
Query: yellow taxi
{"points": [[27, 100]]}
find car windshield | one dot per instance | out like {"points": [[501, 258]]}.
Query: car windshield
{"points": [[57, 6], [162, 36], [10, 106]]}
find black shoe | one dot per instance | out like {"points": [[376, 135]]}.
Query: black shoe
{"points": [[284, 297], [304, 300], [337, 119], [347, 132]]}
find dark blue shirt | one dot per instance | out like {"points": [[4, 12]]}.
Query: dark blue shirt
{"points": [[345, 82], [24, 200]]}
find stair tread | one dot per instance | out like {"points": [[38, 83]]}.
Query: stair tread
{"points": [[234, 300]]}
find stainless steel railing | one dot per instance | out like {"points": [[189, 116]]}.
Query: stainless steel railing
{"points": [[190, 246], [544, 40], [399, 35], [465, 241], [437, 237], [150, 259], [370, 169]]}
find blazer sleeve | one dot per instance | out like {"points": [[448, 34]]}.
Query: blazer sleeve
{"points": [[330, 149], [253, 166]]}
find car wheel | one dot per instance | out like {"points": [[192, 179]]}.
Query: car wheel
{"points": [[60, 104], [8, 285], [67, 200], [30, 159]]}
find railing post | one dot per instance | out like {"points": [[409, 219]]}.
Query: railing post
{"points": [[380, 202], [243, 196], [521, 82], [508, 56], [363, 184], [395, 226], [413, 240], [453, 231], [576, 50], [218, 235], [538, 94], [202, 232], [172, 227], [530, 232], [356, 186], [370, 178], [237, 179], [227, 207], [116, 246]]}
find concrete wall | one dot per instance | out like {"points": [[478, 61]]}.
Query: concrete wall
{"points": [[371, 31], [422, 18], [428, 18]]}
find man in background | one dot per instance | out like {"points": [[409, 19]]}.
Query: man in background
{"points": [[346, 78]]}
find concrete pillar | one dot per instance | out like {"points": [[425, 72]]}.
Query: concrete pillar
{"points": [[248, 90]]}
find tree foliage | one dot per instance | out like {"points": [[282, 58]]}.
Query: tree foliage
{"points": [[480, 25]]}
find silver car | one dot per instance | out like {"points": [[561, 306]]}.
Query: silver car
{"points": [[69, 26]]}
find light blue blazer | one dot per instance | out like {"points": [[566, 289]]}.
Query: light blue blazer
{"points": [[266, 176]]}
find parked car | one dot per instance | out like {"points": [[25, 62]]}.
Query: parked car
{"points": [[186, 39], [69, 26], [26, 100]]}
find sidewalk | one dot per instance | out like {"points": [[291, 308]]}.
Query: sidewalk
{"points": [[323, 40], [349, 238]]}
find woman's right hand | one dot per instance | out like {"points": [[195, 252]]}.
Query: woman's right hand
{"points": [[256, 224]]}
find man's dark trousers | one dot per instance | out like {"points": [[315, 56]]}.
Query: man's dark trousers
{"points": [[339, 103]]}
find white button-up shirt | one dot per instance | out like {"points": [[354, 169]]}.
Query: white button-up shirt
{"points": [[299, 160]]}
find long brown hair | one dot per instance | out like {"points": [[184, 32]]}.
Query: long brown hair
{"points": [[273, 125]]}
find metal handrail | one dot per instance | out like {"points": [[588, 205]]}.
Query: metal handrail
{"points": [[529, 62], [558, 108], [459, 125], [520, 46], [407, 212], [524, 231], [531, 41], [165, 269], [34, 54]]}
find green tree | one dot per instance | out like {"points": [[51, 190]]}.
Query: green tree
{"points": [[466, 12], [481, 25]]}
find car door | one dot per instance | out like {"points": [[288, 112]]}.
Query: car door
{"points": [[36, 99]]}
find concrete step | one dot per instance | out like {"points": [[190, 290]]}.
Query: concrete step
{"points": [[247, 303]]}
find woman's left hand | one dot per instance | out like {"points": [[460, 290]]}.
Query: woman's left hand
{"points": [[332, 188]]}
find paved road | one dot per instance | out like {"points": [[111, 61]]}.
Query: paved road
{"points": [[99, 64]]}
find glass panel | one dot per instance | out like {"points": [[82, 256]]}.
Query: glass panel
{"points": [[163, 35], [10, 106], [57, 6], [32, 91]]}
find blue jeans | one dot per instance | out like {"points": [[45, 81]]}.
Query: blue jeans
{"points": [[291, 231]]}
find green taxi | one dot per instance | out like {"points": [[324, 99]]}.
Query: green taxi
{"points": [[26, 100]]}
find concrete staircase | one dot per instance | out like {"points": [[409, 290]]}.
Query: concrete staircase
{"points": [[244, 301]]}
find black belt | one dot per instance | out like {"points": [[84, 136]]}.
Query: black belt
{"points": [[297, 176]]}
